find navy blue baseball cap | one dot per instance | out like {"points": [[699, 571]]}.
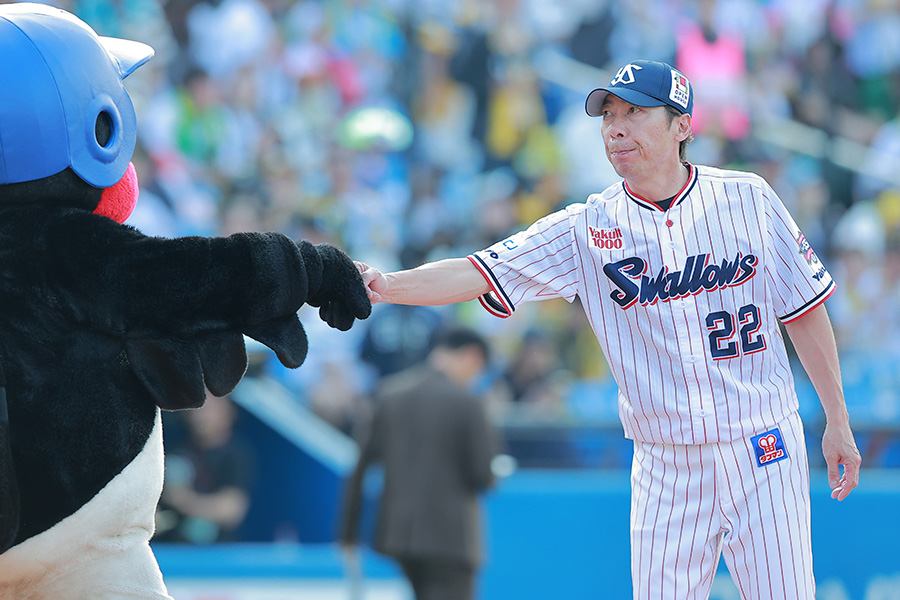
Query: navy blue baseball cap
{"points": [[645, 83]]}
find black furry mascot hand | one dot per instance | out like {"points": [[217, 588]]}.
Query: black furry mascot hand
{"points": [[334, 286], [101, 326]]}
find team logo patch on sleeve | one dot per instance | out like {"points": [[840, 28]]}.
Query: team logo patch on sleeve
{"points": [[806, 250], [769, 447]]}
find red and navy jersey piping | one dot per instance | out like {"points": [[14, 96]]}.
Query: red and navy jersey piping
{"points": [[819, 299], [498, 303], [679, 197]]}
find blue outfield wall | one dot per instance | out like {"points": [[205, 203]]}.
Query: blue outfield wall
{"points": [[564, 534], [555, 533]]}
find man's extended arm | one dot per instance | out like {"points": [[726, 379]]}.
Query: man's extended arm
{"points": [[443, 282], [813, 339]]}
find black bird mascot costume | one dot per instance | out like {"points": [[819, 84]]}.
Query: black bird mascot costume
{"points": [[102, 326]]}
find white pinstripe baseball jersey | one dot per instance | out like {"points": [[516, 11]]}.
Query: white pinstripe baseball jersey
{"points": [[685, 302]]}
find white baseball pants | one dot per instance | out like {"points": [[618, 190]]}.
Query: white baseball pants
{"points": [[692, 503]]}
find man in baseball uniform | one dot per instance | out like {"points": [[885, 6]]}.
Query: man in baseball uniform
{"points": [[685, 273]]}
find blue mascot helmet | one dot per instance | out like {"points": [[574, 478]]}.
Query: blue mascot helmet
{"points": [[58, 78]]}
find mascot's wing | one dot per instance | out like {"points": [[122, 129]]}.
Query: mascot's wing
{"points": [[223, 357], [176, 371], [9, 488], [171, 371], [285, 336]]}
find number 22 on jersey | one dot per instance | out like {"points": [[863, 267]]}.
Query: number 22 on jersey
{"points": [[723, 325]]}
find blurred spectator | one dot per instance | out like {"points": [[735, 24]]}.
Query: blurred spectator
{"points": [[449, 106], [859, 244], [598, 24], [881, 162], [821, 98], [436, 444], [470, 65], [208, 477], [336, 398], [534, 380], [399, 337], [224, 36], [715, 62]]}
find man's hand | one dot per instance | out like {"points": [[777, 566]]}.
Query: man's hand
{"points": [[374, 281], [839, 449]]}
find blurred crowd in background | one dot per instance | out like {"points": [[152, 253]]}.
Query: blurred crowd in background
{"points": [[407, 131]]}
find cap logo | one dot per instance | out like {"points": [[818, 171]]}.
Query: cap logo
{"points": [[680, 92], [625, 74]]}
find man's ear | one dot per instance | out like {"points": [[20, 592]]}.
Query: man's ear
{"points": [[683, 128]]}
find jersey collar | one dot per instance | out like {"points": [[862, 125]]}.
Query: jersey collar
{"points": [[681, 195]]}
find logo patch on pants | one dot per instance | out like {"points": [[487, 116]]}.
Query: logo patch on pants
{"points": [[769, 447]]}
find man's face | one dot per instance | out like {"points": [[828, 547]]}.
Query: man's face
{"points": [[639, 140]]}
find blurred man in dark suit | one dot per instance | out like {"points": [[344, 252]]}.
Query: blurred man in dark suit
{"points": [[436, 443]]}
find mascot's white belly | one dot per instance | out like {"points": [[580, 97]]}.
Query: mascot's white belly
{"points": [[102, 552]]}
